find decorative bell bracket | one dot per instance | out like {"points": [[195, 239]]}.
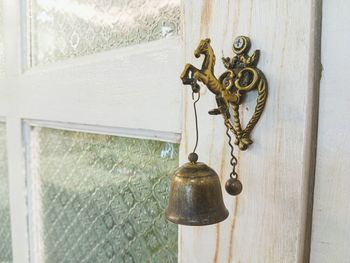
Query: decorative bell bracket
{"points": [[241, 76], [195, 194]]}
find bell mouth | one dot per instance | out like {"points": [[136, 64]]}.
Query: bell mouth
{"points": [[199, 220]]}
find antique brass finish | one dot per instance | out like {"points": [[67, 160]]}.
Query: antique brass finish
{"points": [[240, 77], [195, 192], [195, 196], [233, 186]]}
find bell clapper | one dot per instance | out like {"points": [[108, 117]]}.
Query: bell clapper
{"points": [[233, 186]]}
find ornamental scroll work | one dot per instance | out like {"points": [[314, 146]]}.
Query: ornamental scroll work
{"points": [[240, 77]]}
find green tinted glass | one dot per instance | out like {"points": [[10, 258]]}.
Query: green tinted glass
{"points": [[100, 198], [5, 226], [65, 29]]}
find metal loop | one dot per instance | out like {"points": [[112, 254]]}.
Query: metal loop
{"points": [[196, 118], [233, 175]]}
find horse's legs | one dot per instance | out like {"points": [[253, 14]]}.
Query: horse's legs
{"points": [[186, 79], [201, 77]]}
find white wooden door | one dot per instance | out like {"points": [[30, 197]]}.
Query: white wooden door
{"points": [[131, 89], [269, 221], [88, 73]]}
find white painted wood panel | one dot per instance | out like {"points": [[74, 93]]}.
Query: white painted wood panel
{"points": [[16, 169], [268, 222], [132, 91], [133, 87], [331, 213]]}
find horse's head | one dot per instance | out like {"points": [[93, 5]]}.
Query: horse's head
{"points": [[202, 48]]}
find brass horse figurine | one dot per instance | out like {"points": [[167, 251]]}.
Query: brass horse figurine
{"points": [[191, 74], [240, 77]]}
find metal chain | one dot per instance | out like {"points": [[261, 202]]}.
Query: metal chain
{"points": [[229, 127], [233, 160]]}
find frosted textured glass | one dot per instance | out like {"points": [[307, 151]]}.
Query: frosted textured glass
{"points": [[101, 198], [70, 28], [5, 225], [2, 59]]}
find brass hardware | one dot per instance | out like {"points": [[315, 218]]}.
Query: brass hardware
{"points": [[195, 195], [241, 76]]}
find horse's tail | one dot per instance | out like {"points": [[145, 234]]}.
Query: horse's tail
{"points": [[243, 136], [260, 105]]}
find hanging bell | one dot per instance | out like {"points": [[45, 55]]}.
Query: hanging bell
{"points": [[195, 195]]}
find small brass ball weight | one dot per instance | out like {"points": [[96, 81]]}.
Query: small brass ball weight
{"points": [[233, 186]]}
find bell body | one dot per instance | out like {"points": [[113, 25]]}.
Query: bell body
{"points": [[195, 196]]}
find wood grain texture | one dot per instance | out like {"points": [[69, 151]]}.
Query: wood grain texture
{"points": [[267, 222], [331, 214]]}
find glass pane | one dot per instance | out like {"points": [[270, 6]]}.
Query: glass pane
{"points": [[100, 198], [2, 59], [70, 28], [5, 226]]}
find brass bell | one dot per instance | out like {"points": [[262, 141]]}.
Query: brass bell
{"points": [[195, 195]]}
